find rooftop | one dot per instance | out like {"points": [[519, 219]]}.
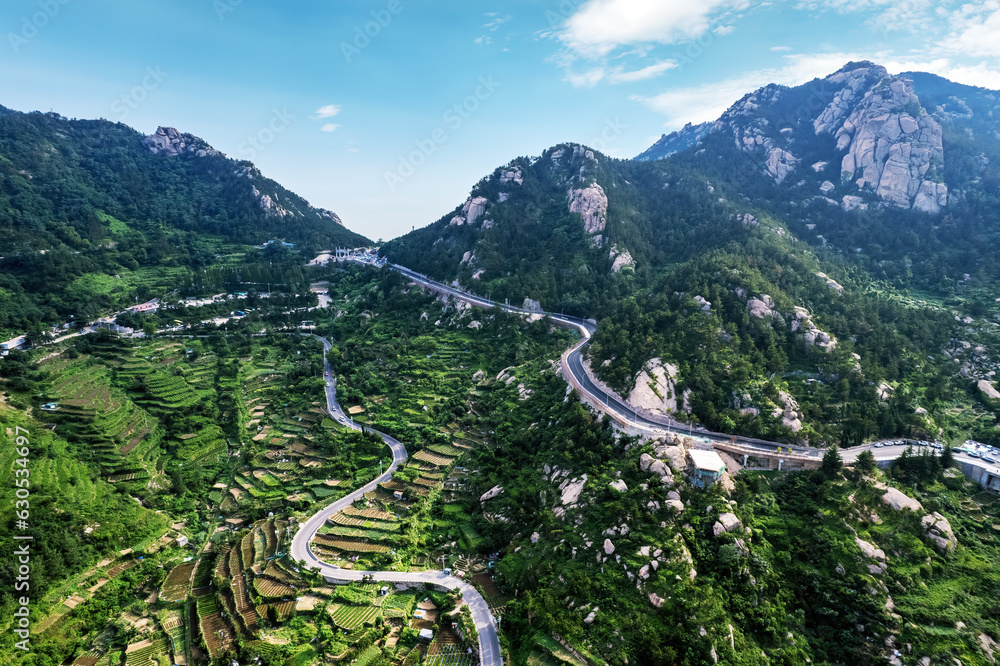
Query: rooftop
{"points": [[707, 460]]}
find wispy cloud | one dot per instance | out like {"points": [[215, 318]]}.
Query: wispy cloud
{"points": [[328, 111], [329, 127], [495, 21], [615, 75], [652, 71]]}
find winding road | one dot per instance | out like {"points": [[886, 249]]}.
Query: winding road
{"points": [[301, 550], [579, 378]]}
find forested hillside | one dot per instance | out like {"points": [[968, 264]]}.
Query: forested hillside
{"points": [[92, 213], [776, 293]]}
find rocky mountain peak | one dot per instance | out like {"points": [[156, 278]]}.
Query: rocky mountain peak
{"points": [[889, 148], [169, 141], [855, 66]]}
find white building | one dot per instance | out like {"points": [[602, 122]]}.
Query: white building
{"points": [[14, 343]]}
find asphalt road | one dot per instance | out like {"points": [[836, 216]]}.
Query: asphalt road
{"points": [[609, 403], [489, 643]]}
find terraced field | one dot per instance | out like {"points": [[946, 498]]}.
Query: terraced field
{"points": [[176, 586], [352, 617], [147, 653], [216, 631]]}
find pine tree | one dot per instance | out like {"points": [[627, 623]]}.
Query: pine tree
{"points": [[832, 462]]}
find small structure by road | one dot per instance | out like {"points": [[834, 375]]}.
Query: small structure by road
{"points": [[704, 467]]}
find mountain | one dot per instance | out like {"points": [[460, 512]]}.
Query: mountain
{"points": [[675, 142], [801, 269], [87, 202]]}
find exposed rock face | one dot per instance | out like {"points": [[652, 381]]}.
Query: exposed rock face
{"points": [[811, 333], [899, 501], [268, 205], [619, 485], [759, 308], [169, 141], [532, 305], [571, 490], [609, 548], [512, 176], [893, 146], [856, 81], [728, 522], [473, 209], [886, 144], [655, 389], [621, 258], [869, 550], [789, 416], [938, 531], [876, 567], [988, 389], [491, 493], [830, 282], [851, 202], [779, 164], [592, 205], [329, 215]]}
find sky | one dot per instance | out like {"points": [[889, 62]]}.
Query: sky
{"points": [[389, 111]]}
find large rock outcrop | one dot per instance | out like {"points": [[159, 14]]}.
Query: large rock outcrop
{"points": [[893, 147], [899, 500], [938, 531], [169, 141], [473, 209], [655, 388], [592, 204]]}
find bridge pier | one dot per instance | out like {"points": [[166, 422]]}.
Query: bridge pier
{"points": [[746, 457]]}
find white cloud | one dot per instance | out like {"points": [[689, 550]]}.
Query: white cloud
{"points": [[974, 31], [587, 79], [328, 111], [979, 74], [329, 127], [724, 30], [616, 75], [781, 48], [652, 71], [708, 101], [600, 26]]}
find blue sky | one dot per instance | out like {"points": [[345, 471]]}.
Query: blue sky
{"points": [[388, 111]]}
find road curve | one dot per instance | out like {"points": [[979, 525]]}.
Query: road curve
{"points": [[602, 400], [301, 550]]}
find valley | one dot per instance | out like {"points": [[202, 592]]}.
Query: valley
{"points": [[732, 401]]}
